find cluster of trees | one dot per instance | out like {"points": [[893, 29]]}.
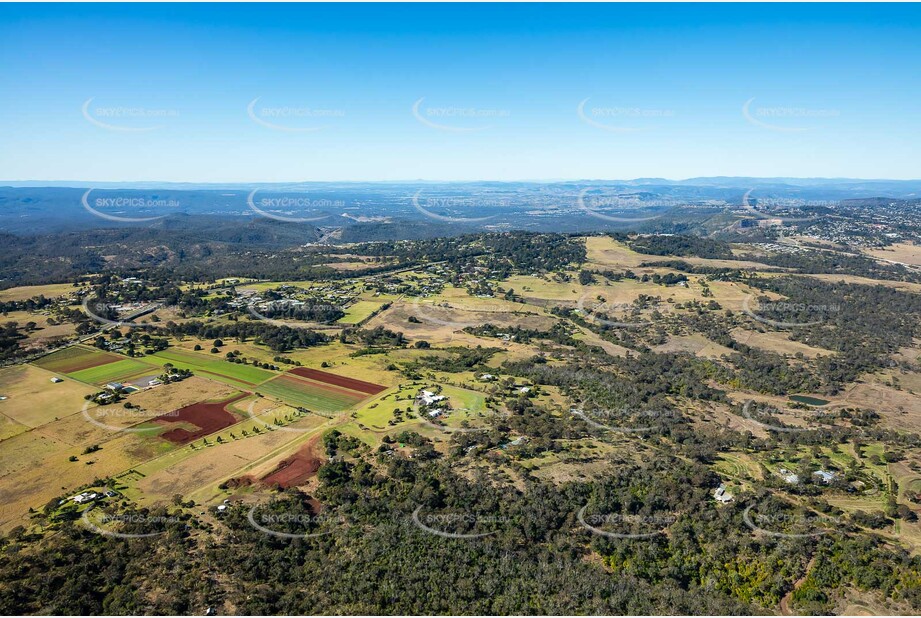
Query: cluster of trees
{"points": [[836, 262], [558, 333], [276, 338], [681, 245], [309, 311], [372, 558]]}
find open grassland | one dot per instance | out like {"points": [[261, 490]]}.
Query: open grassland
{"points": [[776, 341], [213, 367], [738, 466], [360, 311], [898, 285], [35, 468], [33, 399], [903, 252], [604, 253], [44, 331], [247, 349], [52, 290], [438, 319], [113, 372], [891, 394], [694, 344]]}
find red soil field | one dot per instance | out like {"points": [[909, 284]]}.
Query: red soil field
{"points": [[208, 417], [322, 386], [83, 359], [331, 378], [295, 470]]}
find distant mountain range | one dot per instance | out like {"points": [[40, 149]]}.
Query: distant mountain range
{"points": [[646, 204]]}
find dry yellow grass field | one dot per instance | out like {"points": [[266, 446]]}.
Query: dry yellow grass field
{"points": [[52, 290], [904, 252], [44, 331], [34, 400], [898, 407], [197, 473], [606, 253], [42, 471], [694, 344], [776, 341]]}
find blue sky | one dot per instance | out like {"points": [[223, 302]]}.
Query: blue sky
{"points": [[247, 93]]}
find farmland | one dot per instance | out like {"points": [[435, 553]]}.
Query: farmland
{"points": [[311, 394], [360, 311], [76, 358], [238, 375], [112, 372], [255, 417], [33, 400]]}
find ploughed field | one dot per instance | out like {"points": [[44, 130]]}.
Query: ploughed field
{"points": [[207, 418], [319, 391]]}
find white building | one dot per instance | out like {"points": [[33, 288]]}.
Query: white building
{"points": [[428, 397]]}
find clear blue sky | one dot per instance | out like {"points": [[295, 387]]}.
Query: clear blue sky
{"points": [[663, 90]]}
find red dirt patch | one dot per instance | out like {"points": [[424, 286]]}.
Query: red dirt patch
{"points": [[73, 359], [295, 470], [337, 380], [208, 417]]}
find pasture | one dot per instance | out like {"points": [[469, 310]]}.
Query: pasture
{"points": [[358, 312], [113, 372], [33, 399], [213, 366], [196, 471], [75, 358], [52, 290], [315, 396]]}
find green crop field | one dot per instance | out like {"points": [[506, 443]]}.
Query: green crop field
{"points": [[214, 367], [313, 397], [112, 372], [75, 358], [360, 311]]}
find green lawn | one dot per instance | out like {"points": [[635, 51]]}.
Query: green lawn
{"points": [[214, 366], [300, 393], [359, 311], [112, 372]]}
